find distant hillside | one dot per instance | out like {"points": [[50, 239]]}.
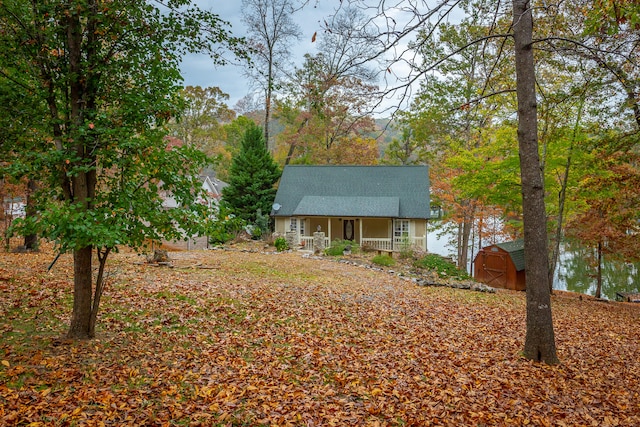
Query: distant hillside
{"points": [[385, 133]]}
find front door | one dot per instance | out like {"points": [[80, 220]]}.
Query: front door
{"points": [[349, 230]]}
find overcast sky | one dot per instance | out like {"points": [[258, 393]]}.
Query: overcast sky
{"points": [[198, 70]]}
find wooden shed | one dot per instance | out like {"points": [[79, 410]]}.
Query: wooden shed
{"points": [[501, 265]]}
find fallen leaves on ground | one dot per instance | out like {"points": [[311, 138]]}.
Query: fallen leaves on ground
{"points": [[277, 339]]}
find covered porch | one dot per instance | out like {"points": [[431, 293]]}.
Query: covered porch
{"points": [[386, 234]]}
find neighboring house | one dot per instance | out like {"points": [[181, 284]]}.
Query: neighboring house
{"points": [[14, 207], [381, 207], [501, 265], [213, 188], [211, 185]]}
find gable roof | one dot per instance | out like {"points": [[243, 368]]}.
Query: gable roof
{"points": [[363, 191], [515, 249]]}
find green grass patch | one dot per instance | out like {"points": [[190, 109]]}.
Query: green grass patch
{"points": [[440, 265], [255, 269], [338, 247], [384, 260], [174, 296]]}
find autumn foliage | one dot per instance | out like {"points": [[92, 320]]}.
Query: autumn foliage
{"points": [[249, 338]]}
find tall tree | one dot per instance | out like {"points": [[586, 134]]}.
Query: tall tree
{"points": [[448, 114], [403, 21], [323, 112], [107, 74], [200, 124], [327, 100], [252, 178], [610, 220], [271, 30], [540, 340], [610, 39], [224, 152]]}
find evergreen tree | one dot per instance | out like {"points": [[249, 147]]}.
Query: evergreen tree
{"points": [[252, 177]]}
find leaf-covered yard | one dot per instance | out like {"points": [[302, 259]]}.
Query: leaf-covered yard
{"points": [[232, 338]]}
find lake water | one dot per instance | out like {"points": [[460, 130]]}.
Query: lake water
{"points": [[576, 271]]}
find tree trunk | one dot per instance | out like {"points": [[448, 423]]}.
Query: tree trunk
{"points": [[292, 145], [267, 103], [102, 260], [466, 232], [80, 327], [540, 339], [292, 148], [83, 183], [459, 244], [31, 240], [599, 277]]}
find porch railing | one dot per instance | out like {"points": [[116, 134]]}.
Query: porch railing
{"points": [[378, 243], [307, 242], [398, 243]]}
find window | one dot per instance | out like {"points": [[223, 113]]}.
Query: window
{"points": [[401, 228], [295, 225]]}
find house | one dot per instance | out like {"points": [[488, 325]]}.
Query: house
{"points": [[381, 207], [210, 184], [14, 207], [213, 190], [501, 265]]}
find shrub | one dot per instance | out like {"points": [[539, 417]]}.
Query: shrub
{"points": [[338, 246], [384, 260], [261, 226], [225, 227], [406, 249], [281, 244], [440, 265], [407, 252]]}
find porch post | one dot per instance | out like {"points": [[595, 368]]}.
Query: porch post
{"points": [[426, 233], [329, 230], [360, 242]]}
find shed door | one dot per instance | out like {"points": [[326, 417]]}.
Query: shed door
{"points": [[495, 267]]}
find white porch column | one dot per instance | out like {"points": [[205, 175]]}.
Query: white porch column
{"points": [[360, 243], [426, 234], [329, 230]]}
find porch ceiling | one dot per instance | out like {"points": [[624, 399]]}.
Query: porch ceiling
{"points": [[380, 207]]}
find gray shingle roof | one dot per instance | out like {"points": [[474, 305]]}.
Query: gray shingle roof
{"points": [[515, 249], [364, 191], [384, 207]]}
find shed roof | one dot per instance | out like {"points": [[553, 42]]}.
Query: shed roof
{"points": [[365, 191], [515, 249]]}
